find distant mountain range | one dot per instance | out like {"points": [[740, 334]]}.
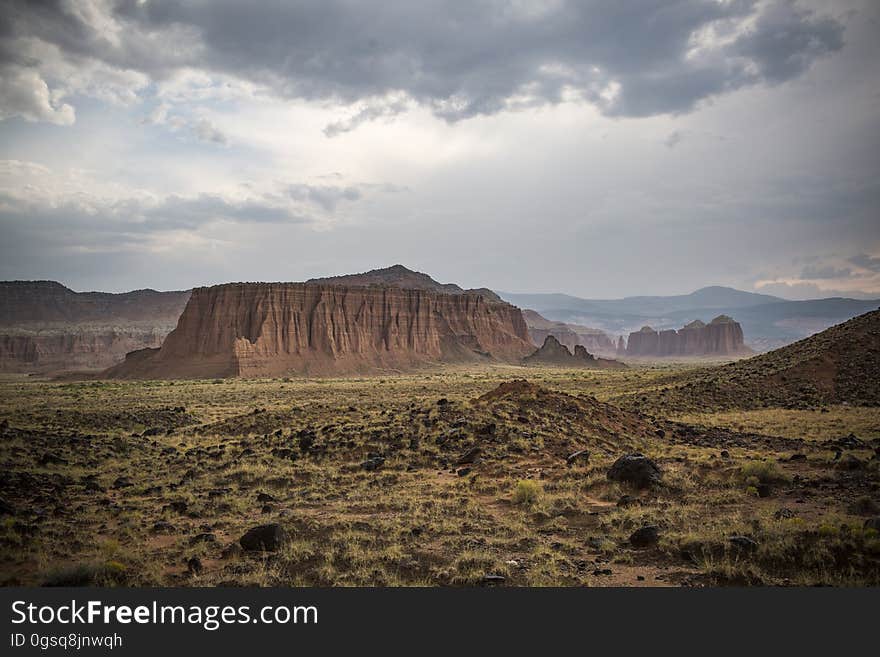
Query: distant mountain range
{"points": [[768, 322]]}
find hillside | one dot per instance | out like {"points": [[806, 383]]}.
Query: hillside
{"points": [[30, 303], [837, 366], [401, 277]]}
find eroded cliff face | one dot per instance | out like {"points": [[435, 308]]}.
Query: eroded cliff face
{"points": [[272, 329], [721, 337], [48, 328], [44, 352], [570, 335]]}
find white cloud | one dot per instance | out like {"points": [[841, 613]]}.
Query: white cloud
{"points": [[24, 93]]}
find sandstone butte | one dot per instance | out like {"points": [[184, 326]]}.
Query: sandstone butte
{"points": [[321, 328], [553, 352], [721, 337]]}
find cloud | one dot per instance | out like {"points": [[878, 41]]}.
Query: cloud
{"points": [[865, 261], [796, 290], [325, 196], [674, 139], [458, 59], [370, 112], [24, 93], [74, 212], [199, 127], [825, 272]]}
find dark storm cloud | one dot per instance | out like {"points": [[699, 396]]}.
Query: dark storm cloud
{"points": [[460, 59]]}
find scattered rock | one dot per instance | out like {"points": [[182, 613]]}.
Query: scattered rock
{"points": [[204, 537], [372, 463], [627, 501], [194, 566], [178, 506], [51, 459], [743, 543], [635, 469], [232, 551], [645, 536], [580, 456], [264, 538], [469, 456], [600, 543], [850, 462]]}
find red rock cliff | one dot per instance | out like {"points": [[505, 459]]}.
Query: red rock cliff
{"points": [[271, 329]]}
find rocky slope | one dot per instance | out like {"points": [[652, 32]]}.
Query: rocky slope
{"points": [[400, 276], [319, 328], [570, 335], [721, 337], [552, 352], [47, 328], [837, 366]]}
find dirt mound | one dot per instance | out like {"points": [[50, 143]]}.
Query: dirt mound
{"points": [[273, 329], [575, 421], [837, 366], [554, 353]]}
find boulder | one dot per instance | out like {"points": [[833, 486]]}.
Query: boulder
{"points": [[636, 470], [264, 538], [645, 536]]}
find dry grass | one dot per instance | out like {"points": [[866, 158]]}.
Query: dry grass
{"points": [[248, 452]]}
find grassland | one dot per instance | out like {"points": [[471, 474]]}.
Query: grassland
{"points": [[153, 483]]}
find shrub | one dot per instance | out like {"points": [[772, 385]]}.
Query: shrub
{"points": [[526, 492], [766, 472]]}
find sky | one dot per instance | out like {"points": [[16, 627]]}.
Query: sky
{"points": [[601, 148]]}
